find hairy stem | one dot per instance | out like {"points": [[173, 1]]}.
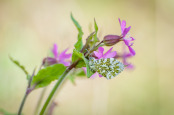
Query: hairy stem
{"points": [[22, 103], [59, 82], [53, 100], [28, 90], [53, 91]]}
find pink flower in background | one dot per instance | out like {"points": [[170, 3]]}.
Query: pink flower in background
{"points": [[125, 57], [99, 55], [126, 36], [58, 58], [62, 57]]}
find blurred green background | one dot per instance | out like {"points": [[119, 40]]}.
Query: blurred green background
{"points": [[28, 29]]}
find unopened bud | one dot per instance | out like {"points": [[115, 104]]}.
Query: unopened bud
{"points": [[49, 61], [110, 40]]}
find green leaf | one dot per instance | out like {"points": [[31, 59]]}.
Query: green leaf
{"points": [[45, 76], [76, 55], [80, 64], [72, 79], [80, 55], [89, 38], [89, 72], [19, 65], [81, 73], [96, 30], [79, 44], [95, 39]]}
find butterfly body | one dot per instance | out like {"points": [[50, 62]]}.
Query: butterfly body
{"points": [[108, 67]]}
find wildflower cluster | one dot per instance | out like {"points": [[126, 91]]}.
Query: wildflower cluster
{"points": [[88, 58]]}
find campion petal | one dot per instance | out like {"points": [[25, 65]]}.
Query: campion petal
{"points": [[122, 24], [55, 50], [126, 36], [58, 58], [99, 54], [108, 54]]}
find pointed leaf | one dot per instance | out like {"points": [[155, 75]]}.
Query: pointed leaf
{"points": [[81, 73], [89, 38], [86, 62], [89, 72], [72, 79], [76, 55], [79, 44], [45, 76], [96, 31], [19, 65]]}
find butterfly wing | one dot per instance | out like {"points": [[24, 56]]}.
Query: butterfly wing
{"points": [[108, 67]]}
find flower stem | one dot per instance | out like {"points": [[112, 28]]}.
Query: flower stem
{"points": [[22, 103], [28, 90], [40, 101], [53, 91], [60, 80]]}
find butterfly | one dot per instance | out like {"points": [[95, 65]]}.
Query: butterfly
{"points": [[108, 67]]}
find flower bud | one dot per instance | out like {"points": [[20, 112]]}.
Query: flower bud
{"points": [[110, 40], [49, 61]]}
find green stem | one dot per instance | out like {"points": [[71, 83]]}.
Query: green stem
{"points": [[60, 80], [53, 91], [28, 90], [53, 100], [40, 101], [22, 103]]}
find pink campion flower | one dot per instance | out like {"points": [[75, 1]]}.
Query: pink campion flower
{"points": [[58, 58], [108, 54], [100, 55], [62, 57], [126, 36]]}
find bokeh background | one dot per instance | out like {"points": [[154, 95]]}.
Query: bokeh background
{"points": [[28, 29]]}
